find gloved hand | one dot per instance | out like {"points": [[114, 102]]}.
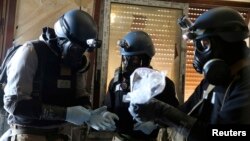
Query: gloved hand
{"points": [[145, 127], [111, 117], [162, 114], [77, 115], [99, 121], [145, 112]]}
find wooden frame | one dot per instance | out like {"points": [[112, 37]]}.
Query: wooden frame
{"points": [[7, 22], [233, 3]]}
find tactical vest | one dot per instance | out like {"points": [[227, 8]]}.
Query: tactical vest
{"points": [[57, 83], [53, 84]]}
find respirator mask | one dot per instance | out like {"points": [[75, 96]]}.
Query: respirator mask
{"points": [[77, 32], [215, 70], [73, 53], [129, 64], [133, 57]]}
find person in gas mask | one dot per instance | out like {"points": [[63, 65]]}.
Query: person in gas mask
{"points": [[44, 91], [137, 50], [223, 96]]}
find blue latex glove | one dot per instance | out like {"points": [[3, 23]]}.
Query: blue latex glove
{"points": [[111, 117], [146, 127], [101, 119], [77, 115]]}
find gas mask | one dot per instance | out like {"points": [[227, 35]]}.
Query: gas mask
{"points": [[129, 64], [77, 32], [208, 55], [202, 54], [218, 36], [73, 53], [217, 72], [134, 56]]}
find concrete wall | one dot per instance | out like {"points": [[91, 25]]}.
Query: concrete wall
{"points": [[32, 15]]}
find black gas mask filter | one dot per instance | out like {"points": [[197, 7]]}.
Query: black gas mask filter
{"points": [[217, 72], [73, 53]]}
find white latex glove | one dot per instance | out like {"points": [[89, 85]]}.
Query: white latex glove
{"points": [[97, 121], [146, 127], [77, 115], [111, 117]]}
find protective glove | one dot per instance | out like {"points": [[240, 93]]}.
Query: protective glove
{"points": [[77, 115], [162, 114], [99, 121], [146, 127], [111, 117]]}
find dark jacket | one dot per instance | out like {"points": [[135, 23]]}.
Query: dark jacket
{"points": [[226, 106], [125, 125]]}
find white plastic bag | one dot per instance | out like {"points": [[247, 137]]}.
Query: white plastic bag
{"points": [[145, 83]]}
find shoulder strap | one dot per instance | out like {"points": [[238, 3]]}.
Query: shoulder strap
{"points": [[40, 48], [112, 94], [39, 43], [204, 96]]}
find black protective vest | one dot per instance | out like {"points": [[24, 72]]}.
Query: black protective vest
{"points": [[52, 84]]}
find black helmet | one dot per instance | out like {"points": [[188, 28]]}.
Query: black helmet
{"points": [[77, 26], [224, 22], [137, 43]]}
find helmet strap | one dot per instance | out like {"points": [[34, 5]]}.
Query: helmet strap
{"points": [[120, 72]]}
